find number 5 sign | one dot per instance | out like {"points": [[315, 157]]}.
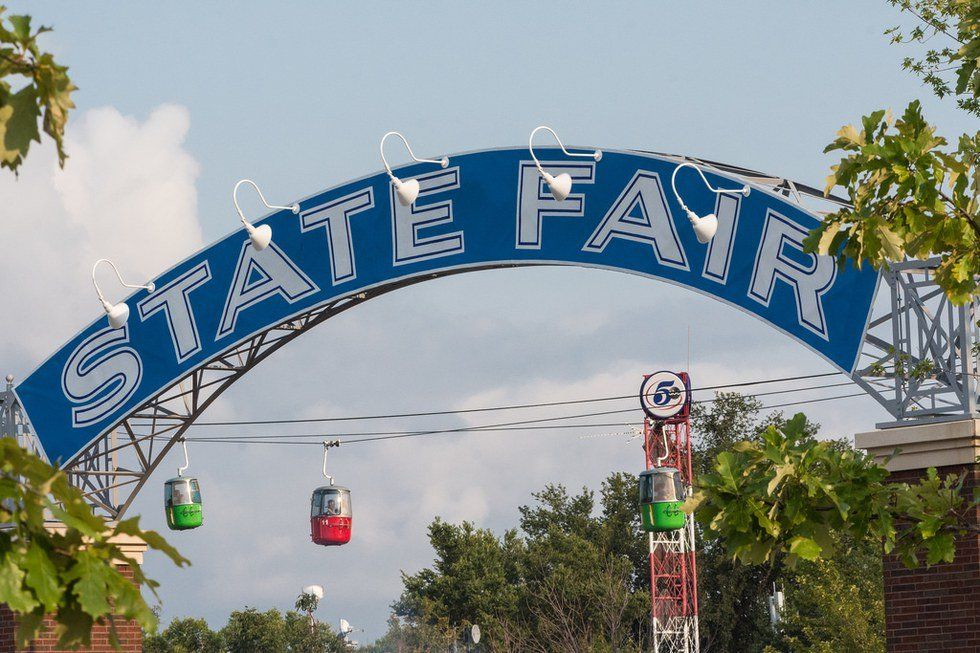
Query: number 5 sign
{"points": [[664, 395]]}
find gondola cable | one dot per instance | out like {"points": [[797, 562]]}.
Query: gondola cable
{"points": [[741, 384], [464, 430], [491, 427]]}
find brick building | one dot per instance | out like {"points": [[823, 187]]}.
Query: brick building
{"points": [[129, 633], [935, 608]]}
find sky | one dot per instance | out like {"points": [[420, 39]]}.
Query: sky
{"points": [[179, 101]]}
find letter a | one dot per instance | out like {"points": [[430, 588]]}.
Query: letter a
{"points": [[640, 214], [258, 276]]}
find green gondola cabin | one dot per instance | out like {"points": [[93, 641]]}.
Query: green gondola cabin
{"points": [[182, 503], [661, 497]]}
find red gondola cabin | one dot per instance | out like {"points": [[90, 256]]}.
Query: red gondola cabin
{"points": [[331, 515]]}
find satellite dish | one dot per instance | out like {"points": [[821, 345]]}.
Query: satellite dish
{"points": [[475, 634], [315, 590], [345, 627]]}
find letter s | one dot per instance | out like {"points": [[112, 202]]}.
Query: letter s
{"points": [[101, 375]]}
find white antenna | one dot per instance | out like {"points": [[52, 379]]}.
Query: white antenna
{"points": [[777, 602], [688, 349], [637, 431]]}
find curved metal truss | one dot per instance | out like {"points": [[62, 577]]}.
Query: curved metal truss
{"points": [[918, 360], [919, 355]]}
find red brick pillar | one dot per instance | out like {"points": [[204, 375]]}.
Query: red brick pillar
{"points": [[129, 632], [936, 608]]}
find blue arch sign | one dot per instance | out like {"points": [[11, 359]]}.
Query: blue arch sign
{"points": [[486, 208]]}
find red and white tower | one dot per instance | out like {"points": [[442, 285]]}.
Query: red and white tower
{"points": [[673, 570]]}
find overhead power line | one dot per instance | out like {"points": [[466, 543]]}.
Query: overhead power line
{"points": [[310, 420], [504, 426], [477, 429]]}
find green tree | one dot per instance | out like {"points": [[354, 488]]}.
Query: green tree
{"points": [[580, 570], [70, 573], [910, 195], [405, 636], [732, 597], [951, 63], [834, 604], [301, 638], [567, 581], [574, 575], [913, 194], [251, 631], [475, 578], [185, 636], [789, 495], [33, 88]]}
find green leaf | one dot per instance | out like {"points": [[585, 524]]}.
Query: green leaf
{"points": [[153, 539], [850, 134], [782, 471], [804, 548], [830, 232], [18, 126], [940, 548], [724, 467], [28, 628], [892, 243], [42, 576], [12, 591], [91, 577], [21, 26]]}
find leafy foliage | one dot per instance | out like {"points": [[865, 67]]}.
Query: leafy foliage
{"points": [[570, 580], [951, 68], [307, 603], [910, 196], [834, 605], [911, 193], [33, 87], [185, 636], [789, 495], [574, 576], [733, 597], [70, 572], [251, 631]]}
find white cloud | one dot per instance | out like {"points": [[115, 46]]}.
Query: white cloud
{"points": [[127, 193]]}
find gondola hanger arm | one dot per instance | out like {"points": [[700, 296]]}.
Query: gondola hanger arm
{"points": [[187, 462], [663, 434], [326, 447]]}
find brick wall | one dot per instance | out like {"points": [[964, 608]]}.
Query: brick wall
{"points": [[936, 609], [129, 633]]}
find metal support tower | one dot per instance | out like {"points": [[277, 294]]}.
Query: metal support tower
{"points": [[673, 568], [13, 423], [919, 356]]}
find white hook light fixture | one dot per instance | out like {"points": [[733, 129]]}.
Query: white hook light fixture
{"points": [[260, 236], [560, 185], [407, 191], [117, 313], [704, 228]]}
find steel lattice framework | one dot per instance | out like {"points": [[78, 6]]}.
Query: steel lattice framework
{"points": [[673, 566], [917, 360]]}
